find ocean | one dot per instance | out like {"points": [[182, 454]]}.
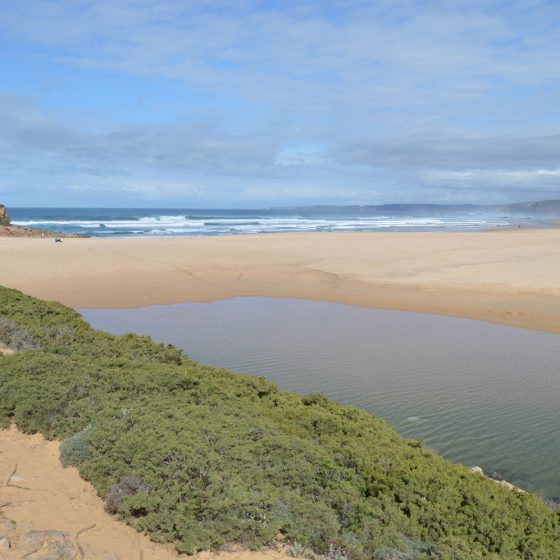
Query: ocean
{"points": [[146, 222]]}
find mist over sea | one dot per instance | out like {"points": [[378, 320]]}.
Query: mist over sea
{"points": [[134, 222]]}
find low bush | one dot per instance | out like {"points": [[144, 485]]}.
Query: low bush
{"points": [[14, 336], [392, 554], [75, 450], [200, 456], [126, 487]]}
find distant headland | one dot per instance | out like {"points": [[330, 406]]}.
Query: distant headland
{"points": [[542, 208]]}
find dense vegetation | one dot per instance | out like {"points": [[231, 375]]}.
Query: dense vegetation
{"points": [[201, 456]]}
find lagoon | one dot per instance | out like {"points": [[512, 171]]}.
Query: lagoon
{"points": [[480, 394]]}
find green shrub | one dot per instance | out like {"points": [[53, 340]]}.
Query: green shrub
{"points": [[14, 336], [296, 550], [335, 554], [126, 487], [75, 450], [221, 457], [392, 554]]}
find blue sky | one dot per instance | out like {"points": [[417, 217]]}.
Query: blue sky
{"points": [[250, 104]]}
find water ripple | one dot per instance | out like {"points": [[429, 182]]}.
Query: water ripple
{"points": [[480, 394]]}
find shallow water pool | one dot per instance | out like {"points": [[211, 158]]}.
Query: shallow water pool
{"points": [[478, 393]]}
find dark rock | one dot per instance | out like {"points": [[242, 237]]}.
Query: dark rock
{"points": [[49, 545]]}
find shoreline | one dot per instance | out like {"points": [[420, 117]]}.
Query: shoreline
{"points": [[509, 277], [10, 230]]}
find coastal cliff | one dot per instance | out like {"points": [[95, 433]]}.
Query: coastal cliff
{"points": [[4, 218], [7, 229]]}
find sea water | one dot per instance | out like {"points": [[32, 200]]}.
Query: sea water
{"points": [[107, 222]]}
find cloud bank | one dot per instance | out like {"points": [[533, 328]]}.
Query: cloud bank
{"points": [[255, 103]]}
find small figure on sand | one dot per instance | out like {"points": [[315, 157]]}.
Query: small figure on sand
{"points": [[57, 240]]}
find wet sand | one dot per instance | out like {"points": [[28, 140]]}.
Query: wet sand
{"points": [[510, 277], [38, 494]]}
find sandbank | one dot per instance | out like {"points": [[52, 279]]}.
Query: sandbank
{"points": [[510, 277]]}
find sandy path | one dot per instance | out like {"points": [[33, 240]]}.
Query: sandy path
{"points": [[44, 496], [508, 277]]}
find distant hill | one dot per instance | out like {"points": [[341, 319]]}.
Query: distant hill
{"points": [[541, 208]]}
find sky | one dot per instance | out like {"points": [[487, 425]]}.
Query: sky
{"points": [[247, 104]]}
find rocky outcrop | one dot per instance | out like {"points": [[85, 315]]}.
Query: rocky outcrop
{"points": [[49, 545], [501, 482], [17, 231], [4, 218], [9, 230], [37, 545]]}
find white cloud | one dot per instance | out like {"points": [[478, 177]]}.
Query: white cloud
{"points": [[339, 101], [497, 176]]}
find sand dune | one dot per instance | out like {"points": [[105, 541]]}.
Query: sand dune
{"points": [[46, 508], [510, 277]]}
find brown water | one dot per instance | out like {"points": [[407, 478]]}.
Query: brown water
{"points": [[480, 394]]}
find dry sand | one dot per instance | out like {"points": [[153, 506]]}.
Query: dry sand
{"points": [[510, 277], [5, 350], [43, 496]]}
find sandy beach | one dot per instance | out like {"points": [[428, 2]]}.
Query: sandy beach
{"points": [[510, 277]]}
